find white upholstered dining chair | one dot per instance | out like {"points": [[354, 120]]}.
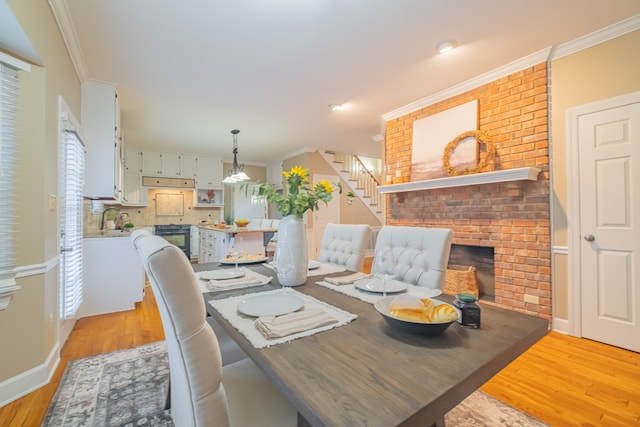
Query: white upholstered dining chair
{"points": [[203, 392], [229, 349], [421, 253], [345, 245]]}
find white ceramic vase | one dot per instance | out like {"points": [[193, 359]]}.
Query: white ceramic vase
{"points": [[292, 249]]}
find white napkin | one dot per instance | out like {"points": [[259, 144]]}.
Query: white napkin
{"points": [[228, 309], [250, 278], [346, 280], [322, 270], [299, 321]]}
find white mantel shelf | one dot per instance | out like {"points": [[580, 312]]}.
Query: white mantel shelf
{"points": [[519, 174]]}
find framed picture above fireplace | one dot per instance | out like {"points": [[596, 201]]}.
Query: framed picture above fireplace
{"points": [[432, 134]]}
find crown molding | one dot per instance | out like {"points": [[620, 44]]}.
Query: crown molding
{"points": [[611, 32], [505, 70], [70, 37], [616, 30]]}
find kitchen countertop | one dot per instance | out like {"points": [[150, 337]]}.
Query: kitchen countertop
{"points": [[235, 229], [109, 233]]}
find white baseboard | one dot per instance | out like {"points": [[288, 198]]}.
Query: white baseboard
{"points": [[560, 325], [28, 381]]}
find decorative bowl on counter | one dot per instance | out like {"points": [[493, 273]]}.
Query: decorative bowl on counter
{"points": [[241, 222]]}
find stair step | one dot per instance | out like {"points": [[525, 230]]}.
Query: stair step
{"points": [[362, 182]]}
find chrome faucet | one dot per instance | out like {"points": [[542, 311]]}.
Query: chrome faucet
{"points": [[104, 212]]}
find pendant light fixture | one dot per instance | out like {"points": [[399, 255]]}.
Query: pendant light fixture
{"points": [[236, 174]]}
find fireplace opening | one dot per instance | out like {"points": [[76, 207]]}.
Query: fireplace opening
{"points": [[482, 258]]}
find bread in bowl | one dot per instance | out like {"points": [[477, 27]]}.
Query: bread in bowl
{"points": [[414, 309]]}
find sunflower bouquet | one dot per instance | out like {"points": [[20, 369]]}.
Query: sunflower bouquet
{"points": [[301, 195]]}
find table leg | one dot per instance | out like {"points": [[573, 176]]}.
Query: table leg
{"points": [[439, 423]]}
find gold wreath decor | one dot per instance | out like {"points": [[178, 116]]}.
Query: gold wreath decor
{"points": [[482, 137]]}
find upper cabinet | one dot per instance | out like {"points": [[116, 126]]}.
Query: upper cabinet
{"points": [[151, 163], [208, 172], [132, 159], [133, 193], [168, 165], [100, 124], [188, 166]]}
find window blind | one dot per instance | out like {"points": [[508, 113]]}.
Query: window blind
{"points": [[8, 119], [70, 209]]}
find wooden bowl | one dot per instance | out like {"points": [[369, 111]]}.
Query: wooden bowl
{"points": [[241, 222]]}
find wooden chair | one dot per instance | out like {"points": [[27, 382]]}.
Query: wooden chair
{"points": [[203, 392], [421, 253]]}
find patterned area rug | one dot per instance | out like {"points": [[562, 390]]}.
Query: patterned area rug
{"points": [[482, 410], [122, 388], [129, 387]]}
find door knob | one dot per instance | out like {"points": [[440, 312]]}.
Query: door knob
{"points": [[589, 237]]}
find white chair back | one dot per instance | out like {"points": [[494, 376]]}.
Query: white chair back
{"points": [[203, 393], [345, 245], [422, 254], [195, 364]]}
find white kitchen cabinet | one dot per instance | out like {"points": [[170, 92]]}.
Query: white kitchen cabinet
{"points": [[187, 166], [195, 242], [100, 125], [209, 172], [151, 163], [113, 275], [132, 159], [168, 165], [202, 252], [213, 245], [133, 193]]}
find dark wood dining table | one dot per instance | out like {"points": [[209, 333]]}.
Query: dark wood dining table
{"points": [[367, 374]]}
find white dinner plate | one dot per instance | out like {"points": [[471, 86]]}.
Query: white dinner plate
{"points": [[374, 284], [270, 305], [313, 265], [222, 274]]}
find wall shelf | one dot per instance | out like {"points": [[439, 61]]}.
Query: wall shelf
{"points": [[519, 174]]}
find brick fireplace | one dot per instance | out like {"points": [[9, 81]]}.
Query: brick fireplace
{"points": [[483, 259], [512, 218]]}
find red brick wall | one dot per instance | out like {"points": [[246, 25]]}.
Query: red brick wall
{"points": [[514, 217]]}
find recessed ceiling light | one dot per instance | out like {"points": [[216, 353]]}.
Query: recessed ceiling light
{"points": [[335, 107], [445, 46]]}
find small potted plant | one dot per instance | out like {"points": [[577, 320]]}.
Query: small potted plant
{"points": [[350, 196], [110, 219]]}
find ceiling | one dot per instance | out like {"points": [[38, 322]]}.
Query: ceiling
{"points": [[190, 72]]}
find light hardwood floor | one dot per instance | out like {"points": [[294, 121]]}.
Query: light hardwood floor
{"points": [[562, 380], [91, 335]]}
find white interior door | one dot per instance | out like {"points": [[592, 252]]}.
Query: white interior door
{"points": [[70, 211], [327, 214], [609, 143]]}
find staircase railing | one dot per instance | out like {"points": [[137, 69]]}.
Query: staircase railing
{"points": [[362, 178]]}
